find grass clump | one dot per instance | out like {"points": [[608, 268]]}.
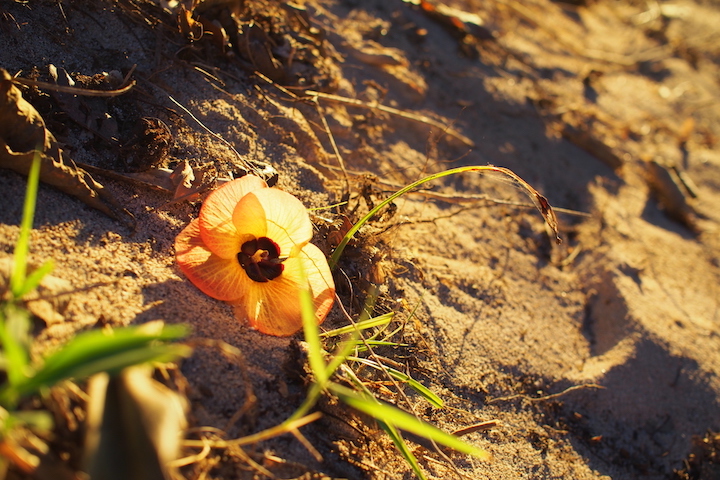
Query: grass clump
{"points": [[353, 391]]}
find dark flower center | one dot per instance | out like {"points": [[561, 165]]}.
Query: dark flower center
{"points": [[261, 259]]}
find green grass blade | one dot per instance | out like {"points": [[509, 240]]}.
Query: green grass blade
{"points": [[372, 322], [33, 280], [364, 323], [112, 364], [14, 337], [312, 335], [402, 447], [540, 202], [434, 400], [342, 354], [100, 343], [404, 421], [388, 428], [95, 351], [22, 247], [382, 343]]}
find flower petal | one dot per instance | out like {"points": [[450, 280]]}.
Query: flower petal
{"points": [[248, 216], [219, 278], [274, 307], [286, 221], [216, 227], [320, 280]]}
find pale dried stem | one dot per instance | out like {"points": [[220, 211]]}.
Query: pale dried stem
{"points": [[393, 111], [127, 85], [547, 397]]}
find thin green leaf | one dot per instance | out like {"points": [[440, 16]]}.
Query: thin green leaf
{"points": [[312, 335], [14, 336], [98, 350], [111, 363], [101, 343], [33, 280], [341, 354], [540, 202], [389, 429], [404, 421], [402, 447], [383, 343], [403, 377], [370, 323], [22, 247]]}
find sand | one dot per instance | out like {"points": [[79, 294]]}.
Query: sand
{"points": [[596, 358]]}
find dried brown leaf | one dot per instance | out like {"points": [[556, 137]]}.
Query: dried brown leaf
{"points": [[23, 134], [134, 426]]}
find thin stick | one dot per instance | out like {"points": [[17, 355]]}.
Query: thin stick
{"points": [[393, 111], [339, 157], [80, 91], [547, 397], [181, 462], [306, 443], [478, 427], [197, 120], [285, 427]]}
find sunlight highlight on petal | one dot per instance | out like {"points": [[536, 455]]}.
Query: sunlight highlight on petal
{"points": [[320, 280], [286, 220], [217, 277], [248, 216], [272, 308], [216, 226]]}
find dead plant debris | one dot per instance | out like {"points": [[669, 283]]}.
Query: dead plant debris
{"points": [[23, 136]]}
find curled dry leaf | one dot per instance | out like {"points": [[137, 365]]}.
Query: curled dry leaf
{"points": [[134, 426], [90, 113], [185, 182], [23, 135]]}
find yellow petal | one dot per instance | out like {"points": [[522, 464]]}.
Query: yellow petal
{"points": [[216, 227], [286, 221], [274, 307], [248, 217], [319, 278], [219, 278]]}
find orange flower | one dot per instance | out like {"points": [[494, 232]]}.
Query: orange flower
{"points": [[249, 247]]}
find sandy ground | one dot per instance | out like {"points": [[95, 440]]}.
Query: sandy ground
{"points": [[593, 105]]}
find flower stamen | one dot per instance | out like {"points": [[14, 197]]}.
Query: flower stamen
{"points": [[260, 258]]}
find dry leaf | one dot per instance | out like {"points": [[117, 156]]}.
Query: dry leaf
{"points": [[88, 112], [134, 426], [23, 132], [184, 182]]}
